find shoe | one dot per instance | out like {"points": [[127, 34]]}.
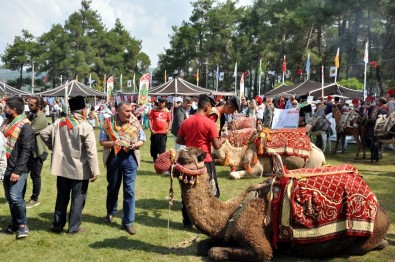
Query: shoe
{"points": [[78, 231], [109, 218], [32, 203], [11, 229], [130, 229], [56, 229], [23, 231]]}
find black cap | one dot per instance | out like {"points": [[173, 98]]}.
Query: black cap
{"points": [[303, 97], [337, 99], [235, 103], [161, 99], [205, 97], [76, 103]]}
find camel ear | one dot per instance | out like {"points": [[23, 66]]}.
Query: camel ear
{"points": [[201, 156]]}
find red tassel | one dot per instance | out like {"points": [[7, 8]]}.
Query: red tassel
{"points": [[232, 168], [260, 151], [249, 169]]}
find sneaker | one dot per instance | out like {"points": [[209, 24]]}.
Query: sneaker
{"points": [[22, 232], [130, 229], [32, 203], [109, 218], [11, 229]]}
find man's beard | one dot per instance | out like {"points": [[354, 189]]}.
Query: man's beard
{"points": [[8, 115]]}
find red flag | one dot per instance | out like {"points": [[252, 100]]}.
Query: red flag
{"points": [[245, 74], [284, 66], [46, 79]]}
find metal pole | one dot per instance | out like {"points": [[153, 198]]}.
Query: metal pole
{"points": [[260, 75]]}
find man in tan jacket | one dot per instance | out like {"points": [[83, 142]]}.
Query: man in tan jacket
{"points": [[74, 162]]}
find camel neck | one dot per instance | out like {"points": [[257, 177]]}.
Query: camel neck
{"points": [[206, 212]]}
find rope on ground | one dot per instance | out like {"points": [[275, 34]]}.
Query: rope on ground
{"points": [[186, 242]]}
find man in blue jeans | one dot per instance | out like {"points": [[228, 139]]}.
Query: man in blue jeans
{"points": [[121, 138], [20, 141]]}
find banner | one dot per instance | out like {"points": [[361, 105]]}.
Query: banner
{"points": [[285, 118], [110, 87], [143, 90], [333, 71]]}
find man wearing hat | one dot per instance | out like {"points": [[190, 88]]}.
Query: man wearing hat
{"points": [[204, 135], [159, 124], [74, 162], [329, 105], [217, 114]]}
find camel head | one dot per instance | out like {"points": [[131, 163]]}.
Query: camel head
{"points": [[190, 164]]}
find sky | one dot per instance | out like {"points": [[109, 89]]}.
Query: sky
{"points": [[150, 21]]}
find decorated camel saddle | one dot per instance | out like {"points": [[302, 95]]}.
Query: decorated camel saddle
{"points": [[385, 124], [319, 204], [240, 130], [286, 141], [346, 119]]}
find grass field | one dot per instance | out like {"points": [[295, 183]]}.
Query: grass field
{"points": [[160, 235]]}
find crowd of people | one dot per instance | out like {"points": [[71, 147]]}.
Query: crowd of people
{"points": [[26, 139]]}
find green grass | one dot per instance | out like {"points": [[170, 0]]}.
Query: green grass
{"points": [[154, 240]]}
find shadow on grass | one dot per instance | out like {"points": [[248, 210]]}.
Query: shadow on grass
{"points": [[127, 243]]}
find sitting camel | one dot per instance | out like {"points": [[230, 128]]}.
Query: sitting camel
{"points": [[244, 165], [246, 227]]}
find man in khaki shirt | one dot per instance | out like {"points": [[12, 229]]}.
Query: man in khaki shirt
{"points": [[74, 162]]}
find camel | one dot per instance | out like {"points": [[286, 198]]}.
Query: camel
{"points": [[350, 123], [241, 228], [241, 159]]}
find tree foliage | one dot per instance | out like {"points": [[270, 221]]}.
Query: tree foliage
{"points": [[219, 33]]}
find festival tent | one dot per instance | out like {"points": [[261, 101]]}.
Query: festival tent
{"points": [[180, 87], [336, 89], [281, 90], [9, 90], [74, 88]]}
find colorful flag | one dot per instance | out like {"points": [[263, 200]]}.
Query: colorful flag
{"points": [[217, 74], [366, 56], [337, 61], [110, 87], [235, 72], [46, 78], [284, 66], [165, 76], [332, 71], [308, 64], [143, 90], [197, 75], [242, 85]]}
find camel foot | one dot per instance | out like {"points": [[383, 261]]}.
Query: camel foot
{"points": [[205, 245], [383, 244]]}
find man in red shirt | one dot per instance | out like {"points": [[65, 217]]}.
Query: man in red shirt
{"points": [[159, 124], [201, 132]]}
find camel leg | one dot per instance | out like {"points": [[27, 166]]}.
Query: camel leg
{"points": [[337, 143], [324, 140], [362, 245], [233, 254]]}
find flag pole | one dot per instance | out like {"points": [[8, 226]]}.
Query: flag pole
{"points": [[366, 60], [217, 76], [235, 79], [260, 75], [322, 82], [197, 77], [121, 83]]}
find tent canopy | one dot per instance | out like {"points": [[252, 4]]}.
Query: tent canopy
{"points": [[313, 88], [180, 87], [74, 88], [9, 90]]}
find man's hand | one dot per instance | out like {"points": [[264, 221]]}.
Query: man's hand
{"points": [[93, 178], [117, 143], [14, 177]]}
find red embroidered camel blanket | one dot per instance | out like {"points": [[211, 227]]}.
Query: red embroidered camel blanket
{"points": [[286, 141], [322, 207]]}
